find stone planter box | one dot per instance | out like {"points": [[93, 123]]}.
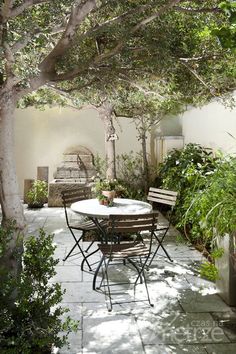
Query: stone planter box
{"points": [[57, 186], [226, 266]]}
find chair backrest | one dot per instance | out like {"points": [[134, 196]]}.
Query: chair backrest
{"points": [[125, 224], [74, 195], [162, 196]]}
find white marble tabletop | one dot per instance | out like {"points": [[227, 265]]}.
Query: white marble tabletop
{"points": [[92, 208]]}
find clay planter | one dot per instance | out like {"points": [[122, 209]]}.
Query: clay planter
{"points": [[109, 194], [226, 266]]}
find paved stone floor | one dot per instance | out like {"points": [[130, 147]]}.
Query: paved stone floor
{"points": [[188, 316]]}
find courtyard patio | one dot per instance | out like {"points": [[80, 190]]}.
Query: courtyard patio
{"points": [[188, 316]]}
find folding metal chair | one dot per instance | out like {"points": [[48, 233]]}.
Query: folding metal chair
{"points": [[162, 198], [136, 253], [69, 197]]}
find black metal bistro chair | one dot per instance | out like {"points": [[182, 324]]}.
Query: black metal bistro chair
{"points": [[162, 200], [133, 252], [69, 197]]}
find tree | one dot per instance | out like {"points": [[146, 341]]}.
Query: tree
{"points": [[54, 41], [147, 104], [227, 32]]}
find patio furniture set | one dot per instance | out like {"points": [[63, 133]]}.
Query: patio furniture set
{"points": [[128, 233]]}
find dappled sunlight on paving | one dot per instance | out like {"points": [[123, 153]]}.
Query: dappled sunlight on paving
{"points": [[187, 313]]}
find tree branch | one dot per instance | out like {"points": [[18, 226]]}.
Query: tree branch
{"points": [[100, 58], [133, 30], [78, 14], [11, 79], [200, 10], [17, 10], [6, 9], [64, 93], [140, 88], [202, 57], [22, 42], [211, 89]]}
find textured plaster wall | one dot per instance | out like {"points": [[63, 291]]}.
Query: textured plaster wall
{"points": [[41, 137], [211, 127]]}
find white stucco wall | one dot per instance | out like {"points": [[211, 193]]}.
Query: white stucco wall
{"points": [[211, 127], [41, 137]]}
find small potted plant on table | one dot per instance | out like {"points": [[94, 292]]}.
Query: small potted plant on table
{"points": [[106, 190]]}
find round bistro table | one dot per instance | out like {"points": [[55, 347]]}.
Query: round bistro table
{"points": [[94, 210]]}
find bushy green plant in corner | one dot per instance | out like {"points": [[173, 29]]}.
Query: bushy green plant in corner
{"points": [[187, 171], [215, 207], [206, 205], [32, 323]]}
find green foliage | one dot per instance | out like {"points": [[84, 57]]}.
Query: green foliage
{"points": [[32, 321], [206, 205], [37, 194], [100, 166], [227, 32], [108, 185], [130, 172], [208, 270], [215, 206], [187, 172]]}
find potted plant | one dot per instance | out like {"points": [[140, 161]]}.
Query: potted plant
{"points": [[102, 199], [36, 196], [105, 188], [109, 188]]}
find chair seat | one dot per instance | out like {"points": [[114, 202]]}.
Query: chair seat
{"points": [[86, 225], [123, 250]]}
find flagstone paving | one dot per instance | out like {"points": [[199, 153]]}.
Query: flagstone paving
{"points": [[188, 316]]}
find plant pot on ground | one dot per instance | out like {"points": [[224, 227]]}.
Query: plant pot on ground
{"points": [[226, 265], [37, 195]]}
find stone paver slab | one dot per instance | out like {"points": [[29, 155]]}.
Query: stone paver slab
{"points": [[174, 349], [81, 292], [219, 348], [67, 274], [108, 333], [75, 344], [180, 328], [194, 301]]}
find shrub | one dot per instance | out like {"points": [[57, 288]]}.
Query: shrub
{"points": [[37, 194], [30, 312], [188, 171]]}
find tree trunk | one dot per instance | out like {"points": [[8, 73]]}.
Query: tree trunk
{"points": [[145, 160], [12, 209], [105, 113]]}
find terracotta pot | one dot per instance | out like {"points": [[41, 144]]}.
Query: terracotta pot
{"points": [[109, 194]]}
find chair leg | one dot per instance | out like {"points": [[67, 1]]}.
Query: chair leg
{"points": [[87, 249], [68, 255], [163, 248], [108, 293], [145, 281], [96, 273], [135, 266], [86, 260], [76, 244]]}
